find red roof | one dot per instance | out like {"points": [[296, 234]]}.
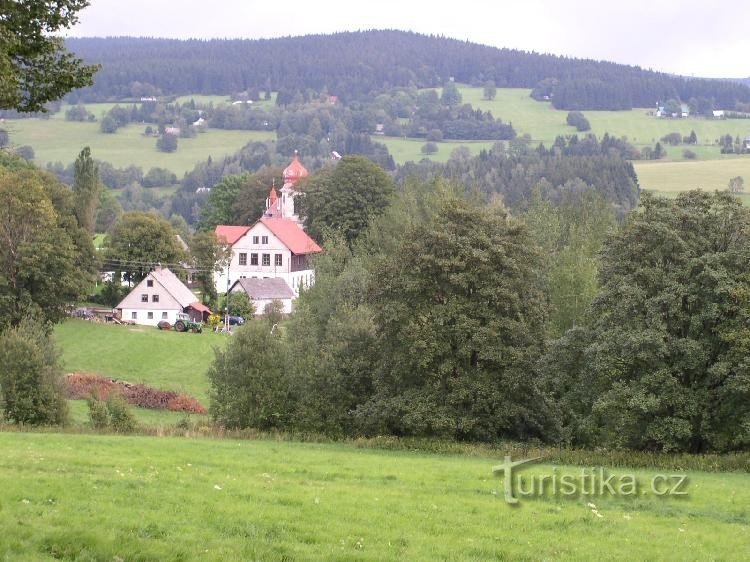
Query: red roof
{"points": [[231, 233], [200, 307], [295, 170], [291, 235]]}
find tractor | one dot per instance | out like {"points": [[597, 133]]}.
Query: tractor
{"points": [[186, 324]]}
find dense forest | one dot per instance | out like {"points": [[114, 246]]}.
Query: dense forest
{"points": [[356, 65]]}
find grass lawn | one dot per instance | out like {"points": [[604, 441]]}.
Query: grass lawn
{"points": [[88, 497], [543, 122], [57, 140], [163, 359], [700, 174]]}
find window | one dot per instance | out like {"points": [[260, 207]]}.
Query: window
{"points": [[150, 315], [154, 298], [144, 298], [264, 240], [266, 259], [278, 260], [253, 259], [163, 315], [149, 283], [255, 239], [134, 315], [243, 258]]}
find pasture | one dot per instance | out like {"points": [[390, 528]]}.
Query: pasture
{"points": [[89, 497], [57, 140], [140, 354]]}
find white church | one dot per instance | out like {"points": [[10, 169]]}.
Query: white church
{"points": [[276, 246]]}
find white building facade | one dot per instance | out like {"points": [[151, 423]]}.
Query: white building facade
{"points": [[274, 247]]}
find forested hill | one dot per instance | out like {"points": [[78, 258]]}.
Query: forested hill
{"points": [[354, 65]]}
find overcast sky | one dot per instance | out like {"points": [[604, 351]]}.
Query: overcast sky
{"points": [[690, 37]]}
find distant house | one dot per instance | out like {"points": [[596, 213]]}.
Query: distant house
{"points": [[242, 102], [173, 131], [684, 110], [333, 100], [148, 98], [263, 292], [746, 142], [379, 129], [335, 155], [718, 114], [160, 296], [200, 122]]}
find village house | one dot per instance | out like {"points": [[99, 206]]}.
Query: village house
{"points": [[276, 246], [160, 296], [262, 292]]}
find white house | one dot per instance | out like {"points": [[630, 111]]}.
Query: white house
{"points": [[160, 296], [263, 292], [746, 142], [718, 113], [274, 247]]}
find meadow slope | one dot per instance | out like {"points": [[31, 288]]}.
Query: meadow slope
{"points": [[85, 497]]}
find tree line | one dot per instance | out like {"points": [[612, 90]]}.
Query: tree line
{"points": [[358, 65]]}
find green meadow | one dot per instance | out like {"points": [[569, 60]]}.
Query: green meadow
{"points": [[57, 140], [95, 497], [164, 359]]}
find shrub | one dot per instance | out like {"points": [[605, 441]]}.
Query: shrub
{"points": [[112, 413], [97, 412], [672, 138], [31, 385], [274, 311], [435, 135], [429, 148], [121, 419], [689, 154], [576, 119]]}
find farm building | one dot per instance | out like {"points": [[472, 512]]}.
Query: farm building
{"points": [[263, 292], [160, 296], [274, 247], [746, 142]]}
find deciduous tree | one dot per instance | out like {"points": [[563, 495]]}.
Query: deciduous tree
{"points": [[34, 66]]}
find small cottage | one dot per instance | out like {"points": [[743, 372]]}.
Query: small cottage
{"points": [[160, 296]]}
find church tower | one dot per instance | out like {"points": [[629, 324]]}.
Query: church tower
{"points": [[283, 206]]}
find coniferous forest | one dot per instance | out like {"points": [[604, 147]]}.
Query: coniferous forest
{"points": [[356, 65]]}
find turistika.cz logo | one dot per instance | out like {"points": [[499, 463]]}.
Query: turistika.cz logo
{"points": [[591, 482]]}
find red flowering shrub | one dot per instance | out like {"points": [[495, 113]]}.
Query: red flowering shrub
{"points": [[81, 386]]}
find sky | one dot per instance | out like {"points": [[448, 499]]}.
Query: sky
{"points": [[688, 37]]}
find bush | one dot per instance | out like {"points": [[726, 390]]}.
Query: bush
{"points": [[112, 413], [273, 312], [248, 380], [672, 138], [98, 415], [435, 135], [108, 125], [577, 120], [429, 148], [167, 143], [25, 152], [689, 154], [31, 385]]}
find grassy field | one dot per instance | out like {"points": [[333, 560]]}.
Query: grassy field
{"points": [[86, 497], [681, 176], [543, 122], [57, 140], [163, 359]]}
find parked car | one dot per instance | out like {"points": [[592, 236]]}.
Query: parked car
{"points": [[236, 321]]}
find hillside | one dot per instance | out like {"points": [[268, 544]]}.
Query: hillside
{"points": [[356, 65]]}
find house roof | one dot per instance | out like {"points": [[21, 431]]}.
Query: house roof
{"points": [[169, 282], [200, 307], [291, 235], [231, 233], [265, 289], [173, 285]]}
